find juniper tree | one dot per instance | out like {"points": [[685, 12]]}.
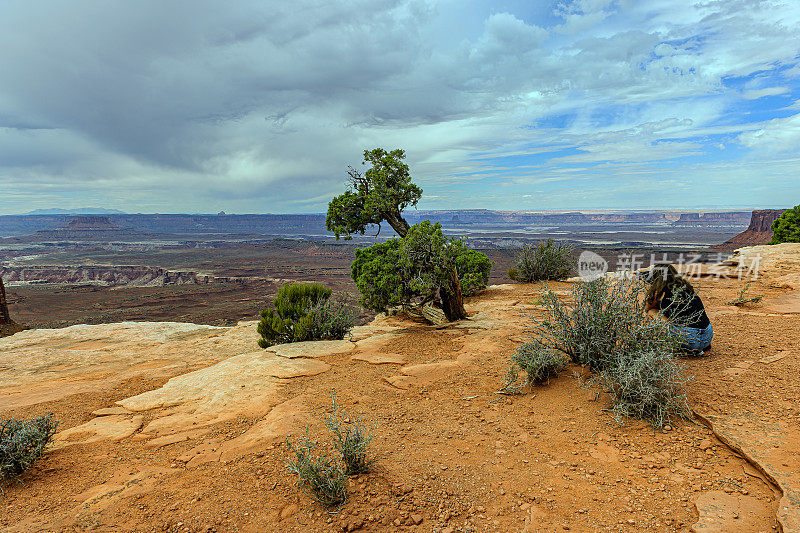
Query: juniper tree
{"points": [[787, 227], [420, 266]]}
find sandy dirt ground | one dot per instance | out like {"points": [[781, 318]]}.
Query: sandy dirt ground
{"points": [[180, 427]]}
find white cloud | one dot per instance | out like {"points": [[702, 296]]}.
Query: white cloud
{"points": [[761, 93], [263, 104], [776, 135]]}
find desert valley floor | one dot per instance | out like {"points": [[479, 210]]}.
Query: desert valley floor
{"points": [[182, 427]]}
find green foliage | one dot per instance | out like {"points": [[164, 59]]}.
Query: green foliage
{"points": [[379, 277], [22, 443], [547, 260], [787, 227], [416, 267], [647, 385], [539, 365], [473, 269], [379, 195], [321, 476], [513, 274], [602, 321], [302, 312], [350, 441], [603, 325], [422, 265]]}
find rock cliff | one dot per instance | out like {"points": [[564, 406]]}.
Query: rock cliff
{"points": [[112, 275], [758, 232]]}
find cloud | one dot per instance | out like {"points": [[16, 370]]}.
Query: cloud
{"points": [[761, 93], [259, 106], [776, 135]]}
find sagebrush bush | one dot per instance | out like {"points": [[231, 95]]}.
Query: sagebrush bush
{"points": [[603, 325], [350, 441], [320, 475], [333, 319], [600, 322], [647, 385], [304, 312], [547, 260], [23, 442], [539, 364]]}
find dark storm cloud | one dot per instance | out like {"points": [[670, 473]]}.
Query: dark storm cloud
{"points": [[183, 105]]}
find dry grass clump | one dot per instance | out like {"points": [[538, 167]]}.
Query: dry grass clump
{"points": [[22, 443], [603, 325], [742, 300]]}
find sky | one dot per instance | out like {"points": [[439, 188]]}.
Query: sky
{"points": [[176, 106]]}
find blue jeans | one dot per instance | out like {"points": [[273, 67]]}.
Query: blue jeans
{"points": [[697, 339]]}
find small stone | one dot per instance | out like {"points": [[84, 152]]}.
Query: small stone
{"points": [[416, 518], [288, 511]]}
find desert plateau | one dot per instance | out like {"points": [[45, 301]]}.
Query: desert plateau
{"points": [[176, 426]]}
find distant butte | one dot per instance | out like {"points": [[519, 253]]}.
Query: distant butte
{"points": [[758, 232]]}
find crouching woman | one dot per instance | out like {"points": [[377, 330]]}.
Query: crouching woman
{"points": [[673, 296]]}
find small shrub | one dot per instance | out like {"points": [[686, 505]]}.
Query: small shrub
{"points": [[548, 260], [321, 476], [350, 441], [603, 325], [23, 442], [513, 274], [742, 300], [787, 227], [647, 385], [303, 312], [333, 320], [602, 321], [538, 363]]}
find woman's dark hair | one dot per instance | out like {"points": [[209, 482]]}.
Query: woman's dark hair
{"points": [[664, 276]]}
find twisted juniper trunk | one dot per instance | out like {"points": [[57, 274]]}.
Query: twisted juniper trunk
{"points": [[452, 298], [4, 316], [398, 223]]}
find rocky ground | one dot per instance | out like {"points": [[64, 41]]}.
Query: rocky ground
{"points": [[181, 427]]}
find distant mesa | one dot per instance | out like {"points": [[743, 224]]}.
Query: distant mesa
{"points": [[80, 211], [758, 232], [721, 218], [88, 228]]}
